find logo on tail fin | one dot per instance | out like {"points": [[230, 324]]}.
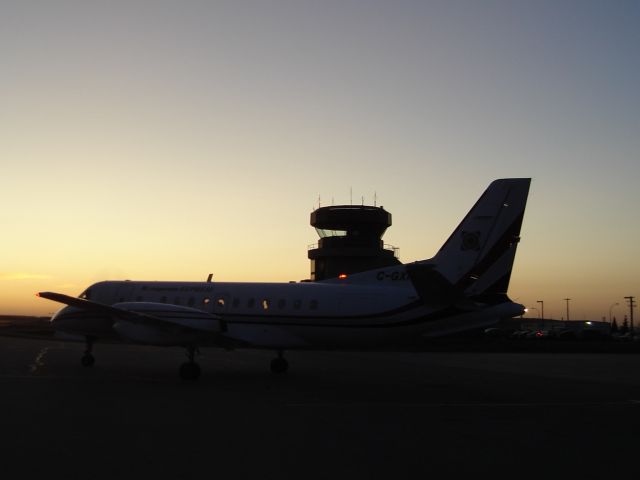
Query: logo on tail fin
{"points": [[470, 241]]}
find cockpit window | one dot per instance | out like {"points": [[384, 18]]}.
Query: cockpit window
{"points": [[86, 294]]}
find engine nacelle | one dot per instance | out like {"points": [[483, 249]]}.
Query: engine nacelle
{"points": [[137, 333], [164, 324]]}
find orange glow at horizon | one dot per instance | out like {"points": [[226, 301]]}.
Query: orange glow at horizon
{"points": [[146, 142]]}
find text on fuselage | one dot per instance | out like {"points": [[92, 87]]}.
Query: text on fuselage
{"points": [[393, 276]]}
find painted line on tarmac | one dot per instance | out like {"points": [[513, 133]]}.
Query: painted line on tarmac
{"points": [[36, 377], [86, 379], [462, 405], [38, 362]]}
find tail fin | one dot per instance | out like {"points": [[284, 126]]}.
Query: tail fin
{"points": [[478, 256]]}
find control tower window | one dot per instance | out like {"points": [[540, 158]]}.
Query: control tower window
{"points": [[322, 233]]}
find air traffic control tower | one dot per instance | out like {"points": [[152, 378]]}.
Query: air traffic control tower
{"points": [[350, 241]]}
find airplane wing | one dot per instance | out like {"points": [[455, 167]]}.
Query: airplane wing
{"points": [[148, 322], [81, 303]]}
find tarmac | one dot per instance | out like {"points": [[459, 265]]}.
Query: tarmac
{"points": [[333, 415]]}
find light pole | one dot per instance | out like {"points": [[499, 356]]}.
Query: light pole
{"points": [[541, 302], [567, 300], [611, 307], [632, 304]]}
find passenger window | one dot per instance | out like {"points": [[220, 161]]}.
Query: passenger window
{"points": [[297, 304], [206, 300], [236, 302], [191, 301], [251, 302], [265, 304], [313, 304], [282, 303], [176, 301], [220, 302]]}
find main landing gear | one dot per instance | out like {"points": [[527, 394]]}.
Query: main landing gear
{"points": [[88, 359], [190, 370], [279, 364]]}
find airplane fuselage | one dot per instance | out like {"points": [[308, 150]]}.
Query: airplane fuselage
{"points": [[283, 315]]}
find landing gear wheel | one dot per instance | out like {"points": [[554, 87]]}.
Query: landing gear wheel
{"points": [[87, 360], [279, 365], [189, 371]]}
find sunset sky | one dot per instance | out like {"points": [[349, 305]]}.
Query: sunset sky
{"points": [[164, 140]]}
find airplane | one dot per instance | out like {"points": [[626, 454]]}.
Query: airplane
{"points": [[463, 287]]}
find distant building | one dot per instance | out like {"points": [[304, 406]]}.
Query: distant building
{"points": [[579, 327]]}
